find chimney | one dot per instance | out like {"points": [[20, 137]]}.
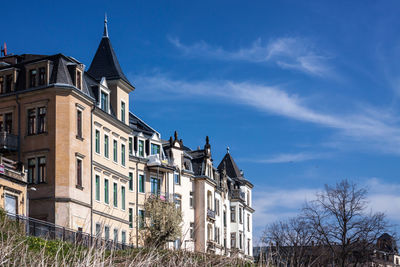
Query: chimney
{"points": [[4, 50]]}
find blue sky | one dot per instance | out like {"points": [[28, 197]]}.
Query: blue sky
{"points": [[303, 92]]}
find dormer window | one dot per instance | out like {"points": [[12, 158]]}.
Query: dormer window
{"points": [[155, 149], [32, 78], [123, 111], [104, 101], [9, 79], [42, 75], [79, 79], [2, 85]]}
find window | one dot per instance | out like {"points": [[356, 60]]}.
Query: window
{"points": [[130, 181], [141, 148], [191, 199], [248, 222], [79, 172], [248, 197], [155, 149], [224, 218], [216, 235], [79, 123], [240, 241], [123, 111], [233, 215], [42, 169], [42, 76], [217, 206], [191, 230], [2, 85], [123, 154], [97, 192], [106, 145], [155, 186], [104, 101], [106, 232], [97, 142], [178, 201], [31, 121], [209, 200], [123, 237], [79, 80], [209, 232], [9, 81], [141, 218], [11, 205], [123, 197], [141, 183], [8, 122], [41, 120], [115, 194], [115, 149], [240, 215], [115, 235], [130, 146], [106, 192], [31, 170], [98, 229], [32, 78], [130, 218], [248, 246], [177, 178], [233, 240]]}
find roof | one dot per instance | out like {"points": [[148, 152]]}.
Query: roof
{"points": [[105, 63], [232, 170], [139, 125]]}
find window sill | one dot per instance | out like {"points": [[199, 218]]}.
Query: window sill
{"points": [[80, 138], [79, 187], [36, 134]]}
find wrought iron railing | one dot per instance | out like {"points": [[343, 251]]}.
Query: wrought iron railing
{"points": [[8, 141], [50, 231], [211, 214], [238, 194]]}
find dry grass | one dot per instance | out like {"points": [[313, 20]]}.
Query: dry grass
{"points": [[18, 250]]}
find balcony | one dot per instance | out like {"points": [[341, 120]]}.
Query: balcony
{"points": [[161, 195], [211, 214], [12, 169], [8, 142], [159, 162], [238, 194]]}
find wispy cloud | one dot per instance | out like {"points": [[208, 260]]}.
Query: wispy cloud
{"points": [[287, 157], [272, 204], [379, 128], [287, 53]]}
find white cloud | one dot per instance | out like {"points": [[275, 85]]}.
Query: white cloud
{"points": [[377, 129], [272, 204], [287, 53], [287, 157]]}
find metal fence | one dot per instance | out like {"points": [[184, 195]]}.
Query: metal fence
{"points": [[50, 231]]}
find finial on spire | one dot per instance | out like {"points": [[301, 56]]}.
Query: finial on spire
{"points": [[176, 135], [207, 140], [227, 149], [105, 34]]}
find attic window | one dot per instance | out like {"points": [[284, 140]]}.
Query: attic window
{"points": [[32, 78], [42, 75], [79, 79], [104, 101]]}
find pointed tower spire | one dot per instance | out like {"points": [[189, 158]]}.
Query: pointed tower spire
{"points": [[105, 34]]}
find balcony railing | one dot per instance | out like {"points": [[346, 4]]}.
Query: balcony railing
{"points": [[8, 141], [161, 195], [12, 169], [211, 214], [238, 194]]}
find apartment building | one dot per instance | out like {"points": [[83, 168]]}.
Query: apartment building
{"points": [[93, 163]]}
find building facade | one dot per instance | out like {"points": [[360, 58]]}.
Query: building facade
{"points": [[93, 163]]}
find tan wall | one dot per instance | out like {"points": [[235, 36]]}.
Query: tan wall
{"points": [[7, 186]]}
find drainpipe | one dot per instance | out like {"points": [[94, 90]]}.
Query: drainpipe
{"points": [[137, 204], [19, 127], [91, 172]]}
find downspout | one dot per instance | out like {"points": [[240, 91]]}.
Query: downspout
{"points": [[91, 171], [137, 204], [19, 126]]}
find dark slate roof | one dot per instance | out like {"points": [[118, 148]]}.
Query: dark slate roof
{"points": [[139, 125], [232, 170], [105, 63]]}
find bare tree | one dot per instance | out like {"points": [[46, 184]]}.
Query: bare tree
{"points": [[342, 222], [291, 242]]}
